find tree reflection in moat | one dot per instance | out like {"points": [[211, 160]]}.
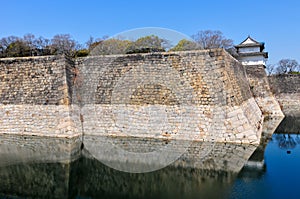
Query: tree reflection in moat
{"points": [[287, 141]]}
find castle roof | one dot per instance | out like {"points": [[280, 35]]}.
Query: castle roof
{"points": [[264, 54], [250, 42]]}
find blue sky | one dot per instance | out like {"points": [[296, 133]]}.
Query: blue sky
{"points": [[276, 22]]}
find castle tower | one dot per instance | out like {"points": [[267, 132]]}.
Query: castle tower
{"points": [[251, 52]]}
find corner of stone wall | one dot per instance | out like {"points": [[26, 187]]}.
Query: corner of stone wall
{"points": [[70, 77], [35, 97], [261, 91], [73, 121]]}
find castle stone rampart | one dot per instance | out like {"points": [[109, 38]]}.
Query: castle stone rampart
{"points": [[203, 95]]}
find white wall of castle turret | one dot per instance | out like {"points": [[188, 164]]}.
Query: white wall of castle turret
{"points": [[249, 50], [253, 60]]}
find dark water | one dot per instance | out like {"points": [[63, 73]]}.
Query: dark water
{"points": [[272, 171]]}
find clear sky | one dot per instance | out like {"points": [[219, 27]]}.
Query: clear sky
{"points": [[275, 22]]}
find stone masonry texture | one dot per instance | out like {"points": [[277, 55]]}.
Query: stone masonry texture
{"points": [[35, 96], [201, 95], [287, 91], [261, 91], [198, 95]]}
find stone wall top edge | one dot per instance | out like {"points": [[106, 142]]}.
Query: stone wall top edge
{"points": [[31, 57], [220, 51], [200, 52], [284, 75], [169, 52]]}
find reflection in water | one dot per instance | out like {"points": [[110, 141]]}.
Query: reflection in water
{"points": [[32, 149], [279, 178], [53, 168], [256, 162], [285, 141], [200, 155], [89, 178], [32, 167], [279, 175], [34, 180], [99, 181], [297, 139], [284, 133]]}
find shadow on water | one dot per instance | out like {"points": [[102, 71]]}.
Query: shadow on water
{"points": [[33, 167], [273, 171], [289, 125]]}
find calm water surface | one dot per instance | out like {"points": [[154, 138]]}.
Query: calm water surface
{"points": [[272, 171], [280, 178]]}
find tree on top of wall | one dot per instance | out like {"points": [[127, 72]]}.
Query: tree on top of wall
{"points": [[287, 66], [284, 66], [109, 47], [30, 45], [209, 39], [150, 43], [185, 44], [206, 39]]}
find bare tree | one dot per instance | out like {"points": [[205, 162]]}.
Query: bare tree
{"points": [[270, 69], [32, 42], [209, 39], [43, 46], [6, 41], [1, 51], [285, 66], [63, 43], [90, 42]]}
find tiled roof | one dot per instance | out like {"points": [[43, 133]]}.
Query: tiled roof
{"points": [[250, 38], [265, 54], [254, 44]]}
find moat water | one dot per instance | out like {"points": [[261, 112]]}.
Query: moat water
{"points": [[271, 170]]}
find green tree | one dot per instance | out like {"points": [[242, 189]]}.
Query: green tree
{"points": [[30, 45], [185, 44], [150, 43], [18, 49], [4, 44], [110, 46]]}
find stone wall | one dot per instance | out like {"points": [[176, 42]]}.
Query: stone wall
{"points": [[287, 91], [35, 96], [261, 91], [33, 80], [202, 95]]}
